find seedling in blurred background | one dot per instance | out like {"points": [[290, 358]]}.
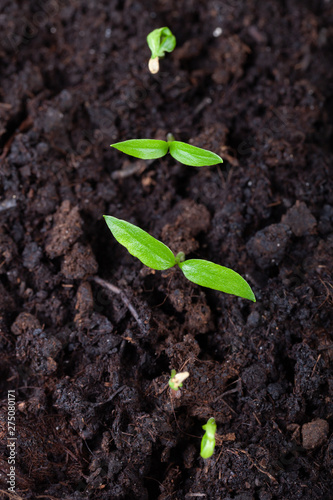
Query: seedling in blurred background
{"points": [[177, 379], [156, 255], [208, 440], [159, 41], [151, 149]]}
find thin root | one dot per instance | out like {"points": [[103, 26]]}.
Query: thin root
{"points": [[114, 289]]}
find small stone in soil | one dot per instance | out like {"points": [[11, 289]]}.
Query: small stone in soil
{"points": [[268, 246], [31, 255], [66, 230], [300, 219], [79, 262], [314, 433]]}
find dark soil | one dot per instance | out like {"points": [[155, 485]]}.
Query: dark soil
{"points": [[95, 418]]}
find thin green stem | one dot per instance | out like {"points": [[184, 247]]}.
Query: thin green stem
{"points": [[180, 257], [170, 137]]}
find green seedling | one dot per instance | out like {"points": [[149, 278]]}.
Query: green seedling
{"points": [[159, 41], [156, 255], [177, 379], [208, 439], [151, 149]]}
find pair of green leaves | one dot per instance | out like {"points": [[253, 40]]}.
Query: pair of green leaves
{"points": [[156, 255], [150, 149]]}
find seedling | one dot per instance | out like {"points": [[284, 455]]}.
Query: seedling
{"points": [[156, 255], [150, 149], [177, 379], [208, 439], [159, 41]]}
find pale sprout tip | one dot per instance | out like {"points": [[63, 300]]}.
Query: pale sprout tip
{"points": [[154, 65], [179, 378]]}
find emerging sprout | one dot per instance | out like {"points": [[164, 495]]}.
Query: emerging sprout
{"points": [[159, 41], [208, 439], [156, 255], [151, 149], [177, 379]]}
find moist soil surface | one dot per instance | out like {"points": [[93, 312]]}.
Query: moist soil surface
{"points": [[88, 334]]}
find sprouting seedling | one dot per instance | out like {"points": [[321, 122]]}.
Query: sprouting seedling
{"points": [[156, 255], [208, 439], [151, 149], [159, 41], [177, 379]]}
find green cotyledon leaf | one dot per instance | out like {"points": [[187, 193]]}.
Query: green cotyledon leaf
{"points": [[145, 149], [168, 42], [210, 275], [146, 248], [207, 447], [193, 156], [160, 41], [208, 440]]}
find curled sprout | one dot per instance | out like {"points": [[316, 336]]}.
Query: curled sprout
{"points": [[159, 41], [177, 379], [208, 440]]}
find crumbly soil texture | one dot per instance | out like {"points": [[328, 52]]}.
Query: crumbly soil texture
{"points": [[88, 334]]}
